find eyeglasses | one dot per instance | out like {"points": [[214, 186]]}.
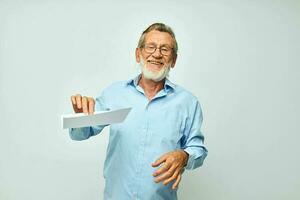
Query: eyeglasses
{"points": [[164, 50]]}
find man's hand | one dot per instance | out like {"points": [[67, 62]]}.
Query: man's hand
{"points": [[83, 104], [172, 167]]}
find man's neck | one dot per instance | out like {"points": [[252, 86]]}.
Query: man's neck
{"points": [[151, 88]]}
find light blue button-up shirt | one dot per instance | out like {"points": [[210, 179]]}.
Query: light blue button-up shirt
{"points": [[170, 121]]}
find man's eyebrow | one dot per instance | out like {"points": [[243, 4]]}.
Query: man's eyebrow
{"points": [[162, 45]]}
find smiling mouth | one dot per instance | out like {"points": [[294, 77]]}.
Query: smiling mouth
{"points": [[155, 62]]}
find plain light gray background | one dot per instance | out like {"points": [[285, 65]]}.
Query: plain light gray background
{"points": [[241, 58]]}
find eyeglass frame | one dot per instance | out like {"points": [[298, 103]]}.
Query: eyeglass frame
{"points": [[156, 47]]}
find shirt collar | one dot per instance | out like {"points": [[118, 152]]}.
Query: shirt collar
{"points": [[167, 87]]}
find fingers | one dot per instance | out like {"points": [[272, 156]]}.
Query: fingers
{"points": [[91, 105], [175, 185], [166, 175], [173, 177], [83, 104], [171, 169], [159, 161], [165, 167], [78, 101]]}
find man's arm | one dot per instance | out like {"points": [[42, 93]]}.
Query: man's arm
{"points": [[194, 142], [84, 132], [190, 156]]}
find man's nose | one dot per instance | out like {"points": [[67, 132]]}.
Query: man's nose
{"points": [[157, 53]]}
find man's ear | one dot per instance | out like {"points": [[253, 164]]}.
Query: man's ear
{"points": [[137, 55], [174, 61]]}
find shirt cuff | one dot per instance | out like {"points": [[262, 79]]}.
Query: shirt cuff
{"points": [[196, 157]]}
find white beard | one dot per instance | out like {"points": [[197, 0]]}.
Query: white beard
{"points": [[153, 75]]}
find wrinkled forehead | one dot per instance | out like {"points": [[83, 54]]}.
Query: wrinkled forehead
{"points": [[159, 38]]}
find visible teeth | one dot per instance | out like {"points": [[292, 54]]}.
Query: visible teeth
{"points": [[154, 62]]}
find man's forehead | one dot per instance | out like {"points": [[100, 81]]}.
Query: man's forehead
{"points": [[158, 37]]}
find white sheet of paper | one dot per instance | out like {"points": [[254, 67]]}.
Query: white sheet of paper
{"points": [[98, 118]]}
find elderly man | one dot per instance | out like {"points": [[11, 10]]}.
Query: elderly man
{"points": [[160, 137]]}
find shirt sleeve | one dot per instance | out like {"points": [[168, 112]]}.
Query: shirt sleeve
{"points": [[194, 139], [86, 132]]}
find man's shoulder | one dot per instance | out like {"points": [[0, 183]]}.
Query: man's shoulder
{"points": [[185, 94]]}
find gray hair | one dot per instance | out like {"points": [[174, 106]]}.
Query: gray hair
{"points": [[162, 28]]}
